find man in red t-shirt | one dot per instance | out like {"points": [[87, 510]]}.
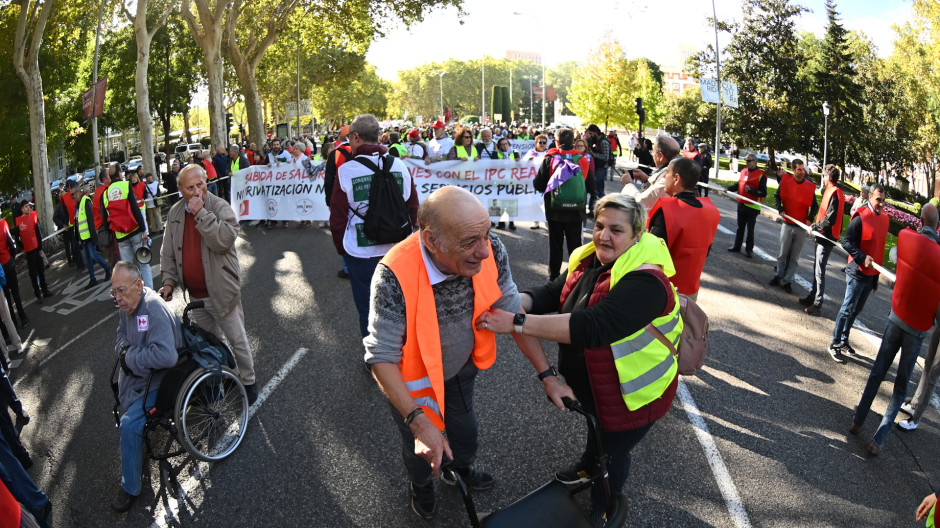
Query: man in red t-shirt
{"points": [[30, 233]]}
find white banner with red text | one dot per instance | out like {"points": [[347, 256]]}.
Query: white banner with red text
{"points": [[294, 191]]}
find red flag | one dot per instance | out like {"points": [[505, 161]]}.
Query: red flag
{"points": [[446, 114], [551, 94], [93, 99]]}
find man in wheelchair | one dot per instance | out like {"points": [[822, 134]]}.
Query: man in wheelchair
{"points": [[148, 336]]}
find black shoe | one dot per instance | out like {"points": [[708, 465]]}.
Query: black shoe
{"points": [[123, 501], [473, 478], [22, 417], [855, 429], [808, 300], [342, 274], [424, 500], [848, 348], [788, 288], [107, 275], [512, 225], [836, 352], [774, 281], [734, 250], [39, 299], [252, 393], [575, 474], [91, 284], [47, 293], [748, 253], [501, 225], [535, 226], [812, 310], [25, 461]]}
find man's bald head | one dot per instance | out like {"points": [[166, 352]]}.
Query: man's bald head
{"points": [[192, 182], [930, 216], [448, 207], [665, 149]]}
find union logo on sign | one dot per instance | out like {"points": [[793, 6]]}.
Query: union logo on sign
{"points": [[272, 208], [243, 208], [304, 207]]}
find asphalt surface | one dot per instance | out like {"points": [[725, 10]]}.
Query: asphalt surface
{"points": [[321, 448]]}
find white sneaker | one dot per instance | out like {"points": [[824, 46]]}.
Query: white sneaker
{"points": [[907, 409], [15, 349], [908, 425]]}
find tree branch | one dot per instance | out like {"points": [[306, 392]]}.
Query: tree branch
{"points": [[127, 13], [161, 20]]}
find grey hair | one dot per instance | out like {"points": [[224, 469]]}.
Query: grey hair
{"points": [[367, 126], [130, 267], [629, 205]]}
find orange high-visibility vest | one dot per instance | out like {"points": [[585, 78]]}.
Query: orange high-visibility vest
{"points": [[421, 364]]}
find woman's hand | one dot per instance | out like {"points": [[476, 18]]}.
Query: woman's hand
{"points": [[496, 321], [925, 506]]}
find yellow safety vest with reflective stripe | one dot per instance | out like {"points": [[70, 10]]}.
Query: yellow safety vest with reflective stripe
{"points": [[645, 366], [402, 151], [84, 223], [462, 152]]}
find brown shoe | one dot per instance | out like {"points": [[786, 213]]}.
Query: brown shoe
{"points": [[874, 448], [123, 501], [855, 429]]}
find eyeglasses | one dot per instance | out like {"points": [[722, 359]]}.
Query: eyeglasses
{"points": [[467, 136], [543, 142], [120, 290]]}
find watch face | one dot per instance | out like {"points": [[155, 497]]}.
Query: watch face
{"points": [[518, 319]]}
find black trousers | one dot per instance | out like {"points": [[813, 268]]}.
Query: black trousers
{"points": [[37, 272], [747, 218], [12, 290], [558, 233]]}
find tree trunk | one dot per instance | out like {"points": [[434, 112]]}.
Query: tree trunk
{"points": [[213, 62], [208, 34], [245, 71], [186, 134], [144, 116]]}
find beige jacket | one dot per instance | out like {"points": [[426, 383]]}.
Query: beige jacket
{"points": [[216, 222]]}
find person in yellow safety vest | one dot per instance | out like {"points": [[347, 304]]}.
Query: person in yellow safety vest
{"points": [[396, 149], [614, 365], [927, 510], [417, 358], [121, 215], [88, 237], [463, 148]]}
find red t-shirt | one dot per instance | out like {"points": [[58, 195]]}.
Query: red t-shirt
{"points": [[27, 225], [5, 250], [194, 275]]}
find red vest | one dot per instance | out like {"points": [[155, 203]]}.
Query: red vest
{"points": [[693, 155], [27, 225], [120, 216], [690, 231], [874, 233], [917, 289], [797, 198], [210, 170], [824, 206], [749, 179], [139, 193], [605, 384], [96, 205], [6, 252], [69, 206], [10, 513]]}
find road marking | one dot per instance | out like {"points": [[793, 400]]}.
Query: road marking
{"points": [[76, 338], [161, 517], [722, 477]]}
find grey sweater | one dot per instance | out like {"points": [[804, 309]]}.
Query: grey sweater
{"points": [[454, 301], [151, 334]]}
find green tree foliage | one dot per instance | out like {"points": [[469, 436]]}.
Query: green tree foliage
{"points": [[562, 78], [605, 87], [687, 115], [364, 94], [496, 103], [763, 58], [649, 86]]}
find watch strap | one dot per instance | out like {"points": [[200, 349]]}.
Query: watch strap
{"points": [[550, 371]]}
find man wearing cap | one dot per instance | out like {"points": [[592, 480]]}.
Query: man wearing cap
{"points": [[440, 145], [30, 233], [343, 136], [416, 148]]}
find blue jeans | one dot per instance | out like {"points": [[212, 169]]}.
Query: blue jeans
{"points": [[360, 278], [213, 188], [600, 178], [460, 421], [818, 290], [856, 295], [132, 444], [21, 486], [894, 339], [617, 447], [91, 257], [128, 245]]}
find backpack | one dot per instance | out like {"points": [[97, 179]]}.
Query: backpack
{"points": [[693, 341], [387, 219], [570, 193]]}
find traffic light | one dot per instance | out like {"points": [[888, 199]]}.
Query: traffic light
{"points": [[639, 111], [228, 124]]}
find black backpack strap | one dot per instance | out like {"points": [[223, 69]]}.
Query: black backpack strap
{"points": [[367, 163]]}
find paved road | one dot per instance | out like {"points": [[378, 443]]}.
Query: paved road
{"points": [[322, 450]]}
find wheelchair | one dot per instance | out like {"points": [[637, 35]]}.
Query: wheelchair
{"points": [[201, 404]]}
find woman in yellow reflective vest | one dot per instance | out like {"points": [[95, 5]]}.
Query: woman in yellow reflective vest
{"points": [[463, 148], [616, 286]]}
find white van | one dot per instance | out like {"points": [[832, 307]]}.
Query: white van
{"points": [[184, 151]]}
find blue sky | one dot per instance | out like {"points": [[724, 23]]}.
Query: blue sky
{"points": [[659, 30]]}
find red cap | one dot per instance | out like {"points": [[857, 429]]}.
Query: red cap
{"points": [[523, 127], [414, 134], [438, 124]]}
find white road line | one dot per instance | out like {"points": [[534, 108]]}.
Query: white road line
{"points": [[76, 338], [160, 515], [722, 477]]}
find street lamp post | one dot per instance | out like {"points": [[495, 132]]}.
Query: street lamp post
{"points": [[542, 60], [441, 79], [531, 102], [825, 131]]}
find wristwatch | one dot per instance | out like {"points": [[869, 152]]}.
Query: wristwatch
{"points": [[518, 321], [550, 371]]}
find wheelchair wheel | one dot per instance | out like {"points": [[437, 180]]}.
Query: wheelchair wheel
{"points": [[211, 414]]}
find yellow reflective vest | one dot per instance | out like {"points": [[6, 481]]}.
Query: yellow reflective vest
{"points": [[462, 152], [85, 224]]}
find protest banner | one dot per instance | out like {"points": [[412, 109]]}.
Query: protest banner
{"points": [[292, 191], [522, 145]]}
